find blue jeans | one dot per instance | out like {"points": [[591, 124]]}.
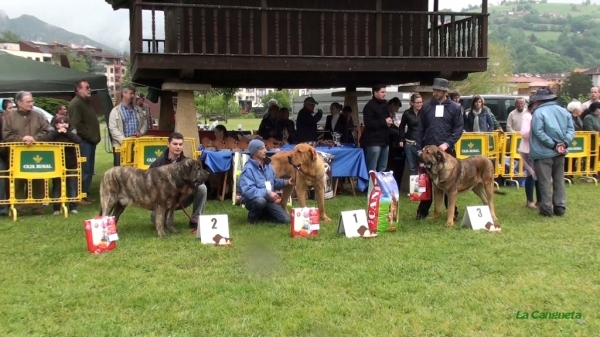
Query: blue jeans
{"points": [[412, 158], [530, 184], [376, 157], [88, 150], [71, 192], [266, 210]]}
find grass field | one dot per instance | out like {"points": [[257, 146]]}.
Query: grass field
{"points": [[247, 124], [544, 36], [560, 9], [424, 280]]}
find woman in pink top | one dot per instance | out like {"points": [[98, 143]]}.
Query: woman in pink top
{"points": [[531, 180]]}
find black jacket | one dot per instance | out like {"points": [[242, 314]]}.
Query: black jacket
{"points": [[67, 137], [376, 129], [287, 125], [410, 123], [164, 160], [434, 130], [340, 126], [306, 125], [267, 125]]}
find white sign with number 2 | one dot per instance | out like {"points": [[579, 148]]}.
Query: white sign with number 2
{"points": [[213, 229]]}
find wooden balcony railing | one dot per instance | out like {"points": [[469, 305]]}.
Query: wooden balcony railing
{"points": [[256, 31]]}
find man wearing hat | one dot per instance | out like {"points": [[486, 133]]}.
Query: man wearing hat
{"points": [[306, 123], [441, 124], [552, 131], [258, 186]]}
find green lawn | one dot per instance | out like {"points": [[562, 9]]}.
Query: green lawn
{"points": [[544, 36], [247, 124], [423, 280]]}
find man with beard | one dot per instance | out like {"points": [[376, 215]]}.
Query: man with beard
{"points": [[126, 120], [515, 117], [441, 123]]}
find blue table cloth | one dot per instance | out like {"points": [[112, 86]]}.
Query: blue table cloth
{"points": [[217, 161], [348, 161]]}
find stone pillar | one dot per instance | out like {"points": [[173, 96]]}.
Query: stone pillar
{"points": [[166, 118], [351, 99], [185, 122]]}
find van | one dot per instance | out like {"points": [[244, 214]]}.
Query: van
{"points": [[500, 105], [324, 98]]}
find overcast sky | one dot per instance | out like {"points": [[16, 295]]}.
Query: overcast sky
{"points": [[96, 19]]}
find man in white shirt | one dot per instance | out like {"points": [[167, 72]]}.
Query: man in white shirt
{"points": [[515, 117], [594, 97]]}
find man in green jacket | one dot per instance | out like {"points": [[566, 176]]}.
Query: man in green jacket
{"points": [[84, 120]]}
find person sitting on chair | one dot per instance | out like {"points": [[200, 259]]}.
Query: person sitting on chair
{"points": [[173, 154], [258, 186]]}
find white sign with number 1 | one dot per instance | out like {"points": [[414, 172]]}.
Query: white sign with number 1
{"points": [[213, 229], [476, 217], [353, 224]]}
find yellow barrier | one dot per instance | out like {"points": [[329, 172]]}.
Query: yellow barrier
{"points": [[143, 151], [581, 161], [510, 155], [33, 167]]}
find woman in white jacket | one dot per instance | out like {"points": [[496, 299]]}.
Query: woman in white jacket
{"points": [[531, 180]]}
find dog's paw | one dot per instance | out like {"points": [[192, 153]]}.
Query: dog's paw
{"points": [[433, 217], [450, 224], [325, 218]]}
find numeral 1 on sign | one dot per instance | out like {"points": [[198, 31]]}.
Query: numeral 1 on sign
{"points": [[355, 218]]}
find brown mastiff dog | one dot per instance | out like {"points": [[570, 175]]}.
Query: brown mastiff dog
{"points": [[158, 189], [307, 168], [451, 176]]}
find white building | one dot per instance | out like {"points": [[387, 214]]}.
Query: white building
{"points": [[14, 49]]}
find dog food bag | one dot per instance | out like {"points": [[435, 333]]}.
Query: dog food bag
{"points": [[328, 159], [101, 234], [305, 221], [383, 196], [420, 187]]}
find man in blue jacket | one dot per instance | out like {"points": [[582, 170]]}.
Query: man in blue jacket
{"points": [[441, 124], [258, 186], [552, 131]]}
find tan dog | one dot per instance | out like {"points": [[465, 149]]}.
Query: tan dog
{"points": [[451, 176], [307, 168]]}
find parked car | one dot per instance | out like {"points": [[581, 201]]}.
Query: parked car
{"points": [[500, 105]]}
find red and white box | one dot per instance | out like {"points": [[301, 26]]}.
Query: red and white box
{"points": [[101, 234], [305, 221], [420, 187]]}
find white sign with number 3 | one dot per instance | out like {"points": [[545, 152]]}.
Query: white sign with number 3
{"points": [[351, 222], [476, 217], [213, 229]]}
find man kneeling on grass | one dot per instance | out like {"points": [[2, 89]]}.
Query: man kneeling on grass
{"points": [[174, 153], [258, 183]]}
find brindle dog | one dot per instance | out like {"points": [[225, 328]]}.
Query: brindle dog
{"points": [[451, 176], [158, 189]]}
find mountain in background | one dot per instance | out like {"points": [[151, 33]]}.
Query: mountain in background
{"points": [[30, 28]]}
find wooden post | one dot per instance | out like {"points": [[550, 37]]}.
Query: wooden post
{"points": [[378, 28], [484, 29], [166, 118], [137, 29], [185, 122]]}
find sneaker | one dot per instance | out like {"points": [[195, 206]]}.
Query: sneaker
{"points": [[56, 213], [193, 225], [45, 204], [559, 211], [74, 211]]}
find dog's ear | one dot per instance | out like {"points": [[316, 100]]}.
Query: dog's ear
{"points": [[313, 154], [439, 156]]}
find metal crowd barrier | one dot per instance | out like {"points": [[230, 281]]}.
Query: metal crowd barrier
{"points": [[141, 152], [30, 171]]}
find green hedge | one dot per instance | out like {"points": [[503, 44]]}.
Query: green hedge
{"points": [[49, 104]]}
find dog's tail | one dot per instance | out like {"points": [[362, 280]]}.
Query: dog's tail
{"points": [[499, 192]]}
